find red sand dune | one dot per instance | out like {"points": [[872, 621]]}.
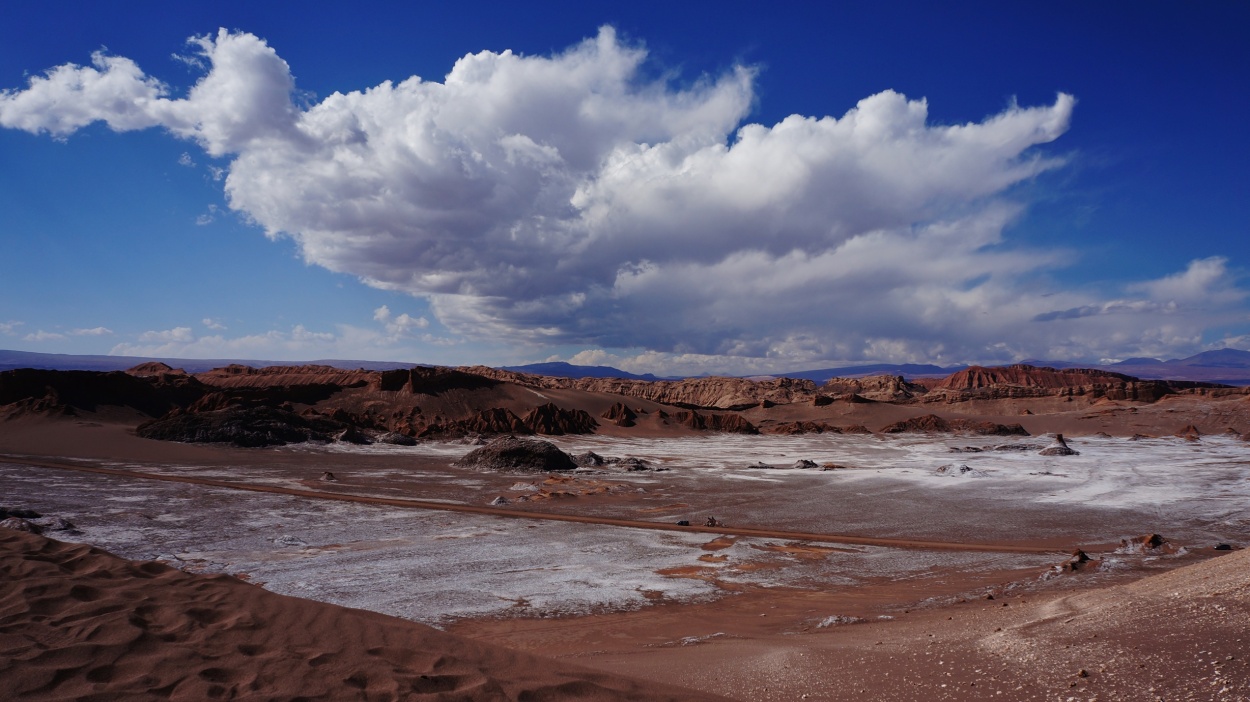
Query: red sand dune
{"points": [[79, 623]]}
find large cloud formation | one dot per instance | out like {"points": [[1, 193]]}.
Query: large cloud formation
{"points": [[567, 200]]}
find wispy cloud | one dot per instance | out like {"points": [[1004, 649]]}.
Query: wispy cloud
{"points": [[42, 336], [395, 337]]}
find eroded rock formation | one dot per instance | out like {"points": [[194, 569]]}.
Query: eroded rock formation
{"points": [[620, 415], [554, 421], [933, 424], [730, 423]]}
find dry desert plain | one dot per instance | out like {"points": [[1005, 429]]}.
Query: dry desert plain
{"points": [[874, 538]]}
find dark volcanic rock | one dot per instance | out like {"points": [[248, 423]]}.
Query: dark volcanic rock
{"points": [[620, 415], [248, 427], [554, 421], [511, 453]]}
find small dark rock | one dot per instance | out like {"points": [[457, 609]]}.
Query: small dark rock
{"points": [[589, 459], [394, 438]]}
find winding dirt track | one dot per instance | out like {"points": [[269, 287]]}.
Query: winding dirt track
{"points": [[549, 516]]}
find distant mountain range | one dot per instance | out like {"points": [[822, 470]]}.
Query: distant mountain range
{"points": [[1228, 366], [60, 361], [560, 369]]}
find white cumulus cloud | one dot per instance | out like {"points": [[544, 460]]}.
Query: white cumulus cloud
{"points": [[568, 199]]}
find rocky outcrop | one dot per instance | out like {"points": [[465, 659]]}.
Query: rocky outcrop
{"points": [[729, 423], [933, 424], [511, 453], [1189, 433], [154, 369], [239, 376], [426, 380], [1059, 447], [1023, 381], [395, 438], [796, 428], [879, 388], [492, 421], [620, 415], [554, 421], [248, 427], [692, 393]]}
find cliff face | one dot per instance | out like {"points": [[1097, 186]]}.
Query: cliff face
{"points": [[553, 421], [692, 393], [977, 377], [1022, 381], [881, 388], [237, 376]]}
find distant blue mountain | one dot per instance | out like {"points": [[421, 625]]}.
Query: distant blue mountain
{"points": [[1138, 361], [560, 369], [1220, 358], [1230, 366], [61, 361], [910, 370]]}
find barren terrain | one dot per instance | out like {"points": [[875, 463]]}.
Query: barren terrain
{"points": [[863, 573]]}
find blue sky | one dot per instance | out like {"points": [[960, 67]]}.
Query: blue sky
{"points": [[670, 188]]}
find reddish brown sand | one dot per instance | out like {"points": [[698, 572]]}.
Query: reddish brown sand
{"points": [[1181, 635], [77, 623], [101, 628]]}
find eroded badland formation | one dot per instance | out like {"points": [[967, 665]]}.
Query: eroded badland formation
{"points": [[1001, 533]]}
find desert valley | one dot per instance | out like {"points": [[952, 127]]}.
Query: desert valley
{"points": [[1000, 533]]}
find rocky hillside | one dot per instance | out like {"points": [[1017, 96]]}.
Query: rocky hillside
{"points": [[693, 393], [1022, 381], [258, 406]]}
